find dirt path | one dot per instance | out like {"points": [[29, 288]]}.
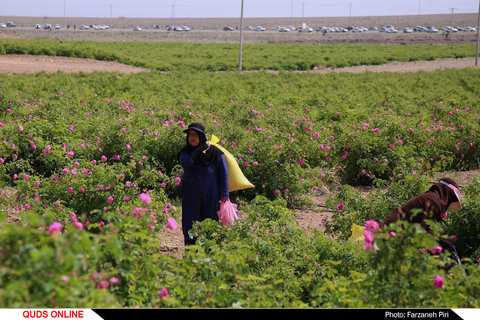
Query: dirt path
{"points": [[30, 64], [16, 63], [412, 66]]}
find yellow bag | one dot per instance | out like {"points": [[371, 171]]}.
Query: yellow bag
{"points": [[357, 235], [236, 179]]}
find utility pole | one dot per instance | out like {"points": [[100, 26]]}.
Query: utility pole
{"points": [[419, 12], [64, 15], [350, 14], [478, 38], [291, 10], [241, 40], [451, 17]]}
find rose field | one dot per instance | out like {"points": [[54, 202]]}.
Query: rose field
{"points": [[89, 177]]}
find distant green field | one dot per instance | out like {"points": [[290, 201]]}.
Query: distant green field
{"points": [[222, 57]]}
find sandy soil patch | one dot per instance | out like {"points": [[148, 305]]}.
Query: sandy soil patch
{"points": [[412, 66], [14, 63]]}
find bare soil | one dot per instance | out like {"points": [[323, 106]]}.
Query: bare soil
{"points": [[14, 63]]}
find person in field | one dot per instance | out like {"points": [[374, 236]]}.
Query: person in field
{"points": [[205, 179], [431, 205]]}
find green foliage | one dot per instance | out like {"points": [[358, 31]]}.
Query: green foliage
{"points": [[190, 57]]}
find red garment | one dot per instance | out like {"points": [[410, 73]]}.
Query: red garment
{"points": [[429, 205]]}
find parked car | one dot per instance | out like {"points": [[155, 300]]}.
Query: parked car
{"points": [[359, 29], [227, 29], [388, 29], [100, 27], [469, 29], [10, 24], [449, 29], [137, 28], [153, 26], [186, 28], [47, 26], [57, 26], [3, 25], [284, 29], [248, 28], [407, 30], [84, 27], [259, 28], [304, 28]]}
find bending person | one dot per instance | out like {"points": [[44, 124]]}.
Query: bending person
{"points": [[430, 205]]}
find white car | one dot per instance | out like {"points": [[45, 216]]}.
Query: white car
{"points": [[3, 25], [306, 29], [84, 27], [407, 30], [259, 28], [284, 29], [450, 29], [137, 28]]}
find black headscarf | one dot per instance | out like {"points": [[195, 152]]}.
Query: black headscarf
{"points": [[203, 154]]}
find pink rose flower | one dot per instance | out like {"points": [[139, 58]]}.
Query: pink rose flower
{"points": [[171, 223], [163, 293], [55, 227], [103, 284], [145, 198], [438, 282]]}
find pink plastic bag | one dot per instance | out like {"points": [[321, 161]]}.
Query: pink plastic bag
{"points": [[228, 213]]}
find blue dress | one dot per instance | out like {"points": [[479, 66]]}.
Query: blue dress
{"points": [[202, 188]]}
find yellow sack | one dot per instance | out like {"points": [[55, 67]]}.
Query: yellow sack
{"points": [[357, 235], [236, 179]]}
